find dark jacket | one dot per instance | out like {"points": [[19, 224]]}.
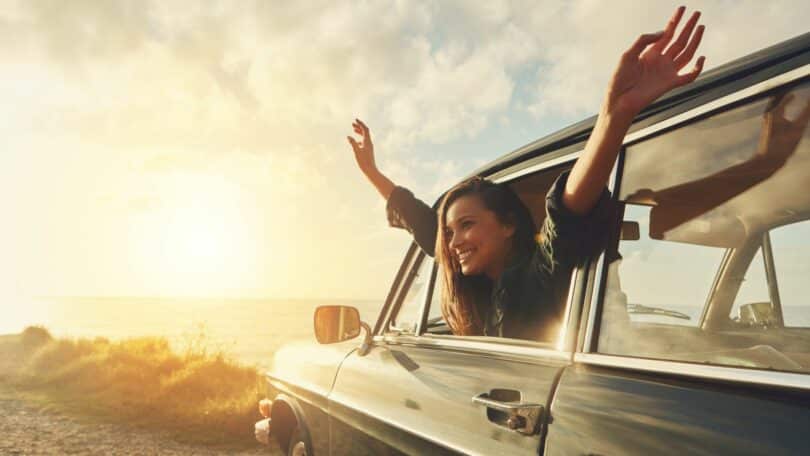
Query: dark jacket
{"points": [[528, 300]]}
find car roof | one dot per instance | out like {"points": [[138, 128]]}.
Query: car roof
{"points": [[721, 81]]}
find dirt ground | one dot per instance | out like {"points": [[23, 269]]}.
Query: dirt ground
{"points": [[28, 429]]}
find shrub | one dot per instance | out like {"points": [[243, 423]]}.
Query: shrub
{"points": [[201, 394], [34, 337]]}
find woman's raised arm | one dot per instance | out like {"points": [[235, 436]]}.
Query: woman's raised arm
{"points": [[646, 71], [364, 155]]}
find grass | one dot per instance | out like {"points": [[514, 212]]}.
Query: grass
{"points": [[200, 395]]}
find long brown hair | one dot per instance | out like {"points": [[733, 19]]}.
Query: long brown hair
{"points": [[466, 299]]}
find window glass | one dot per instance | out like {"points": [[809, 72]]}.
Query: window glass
{"points": [[664, 282], [436, 323], [791, 253], [754, 286], [410, 310], [694, 286]]}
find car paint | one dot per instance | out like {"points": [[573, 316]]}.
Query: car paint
{"points": [[601, 410], [417, 398]]}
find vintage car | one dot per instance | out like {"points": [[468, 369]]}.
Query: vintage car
{"points": [[688, 334]]}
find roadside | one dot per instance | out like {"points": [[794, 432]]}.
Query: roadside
{"points": [[128, 397], [30, 428]]}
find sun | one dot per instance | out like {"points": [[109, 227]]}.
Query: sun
{"points": [[197, 235], [206, 241]]}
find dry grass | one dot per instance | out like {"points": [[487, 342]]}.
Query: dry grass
{"points": [[201, 395]]}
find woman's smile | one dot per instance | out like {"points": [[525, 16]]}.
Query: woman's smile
{"points": [[464, 255]]}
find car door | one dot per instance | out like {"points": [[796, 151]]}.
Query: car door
{"points": [[688, 347], [421, 390]]}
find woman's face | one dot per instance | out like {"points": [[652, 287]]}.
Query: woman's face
{"points": [[476, 238]]}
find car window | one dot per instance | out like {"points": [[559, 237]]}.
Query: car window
{"points": [[754, 286], [410, 310], [436, 323], [653, 275], [791, 253], [708, 198], [532, 190]]}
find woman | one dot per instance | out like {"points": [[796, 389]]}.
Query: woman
{"points": [[499, 281]]}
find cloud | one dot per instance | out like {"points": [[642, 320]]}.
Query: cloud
{"points": [[106, 98], [584, 39]]}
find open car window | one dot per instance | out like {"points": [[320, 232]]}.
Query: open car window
{"points": [[704, 280], [411, 298], [532, 190]]}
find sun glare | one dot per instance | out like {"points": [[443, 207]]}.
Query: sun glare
{"points": [[202, 240]]}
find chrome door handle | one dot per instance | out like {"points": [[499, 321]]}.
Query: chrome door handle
{"points": [[519, 416]]}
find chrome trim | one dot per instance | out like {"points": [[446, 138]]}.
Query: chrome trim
{"points": [[703, 371], [428, 294], [529, 411], [563, 344], [721, 271], [721, 102], [770, 273], [593, 299], [539, 167], [475, 344], [636, 136]]}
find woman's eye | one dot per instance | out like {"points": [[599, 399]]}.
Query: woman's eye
{"points": [[467, 224]]}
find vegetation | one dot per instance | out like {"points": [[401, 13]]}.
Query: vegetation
{"points": [[200, 395]]}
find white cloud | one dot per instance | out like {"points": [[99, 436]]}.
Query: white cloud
{"points": [[583, 41]]}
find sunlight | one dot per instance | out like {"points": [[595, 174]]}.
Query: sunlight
{"points": [[202, 240]]}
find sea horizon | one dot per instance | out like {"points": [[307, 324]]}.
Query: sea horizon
{"points": [[248, 329]]}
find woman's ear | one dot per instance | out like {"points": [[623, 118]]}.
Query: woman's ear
{"points": [[509, 226]]}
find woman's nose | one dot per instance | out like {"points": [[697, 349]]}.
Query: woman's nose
{"points": [[455, 240]]}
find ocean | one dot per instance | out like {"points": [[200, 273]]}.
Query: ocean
{"points": [[250, 330]]}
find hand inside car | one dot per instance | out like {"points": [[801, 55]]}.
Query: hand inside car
{"points": [[779, 135]]}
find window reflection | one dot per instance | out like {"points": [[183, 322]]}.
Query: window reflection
{"points": [[704, 196]]}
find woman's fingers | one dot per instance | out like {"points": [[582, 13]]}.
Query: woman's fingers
{"points": [[366, 131], [689, 52], [669, 31], [641, 43], [692, 75], [781, 103], [355, 147], [678, 45]]}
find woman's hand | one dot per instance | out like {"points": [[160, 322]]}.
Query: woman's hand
{"points": [[780, 135], [649, 68], [646, 71], [364, 154], [363, 151]]}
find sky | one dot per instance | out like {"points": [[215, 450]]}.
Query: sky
{"points": [[199, 148]]}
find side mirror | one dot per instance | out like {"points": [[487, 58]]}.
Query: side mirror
{"points": [[336, 324]]}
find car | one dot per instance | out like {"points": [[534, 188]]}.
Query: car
{"points": [[688, 334]]}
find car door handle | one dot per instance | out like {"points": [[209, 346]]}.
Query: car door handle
{"points": [[516, 415]]}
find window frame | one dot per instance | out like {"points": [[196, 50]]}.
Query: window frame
{"points": [[411, 264], [594, 300]]}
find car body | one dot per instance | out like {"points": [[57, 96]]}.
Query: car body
{"points": [[702, 346]]}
